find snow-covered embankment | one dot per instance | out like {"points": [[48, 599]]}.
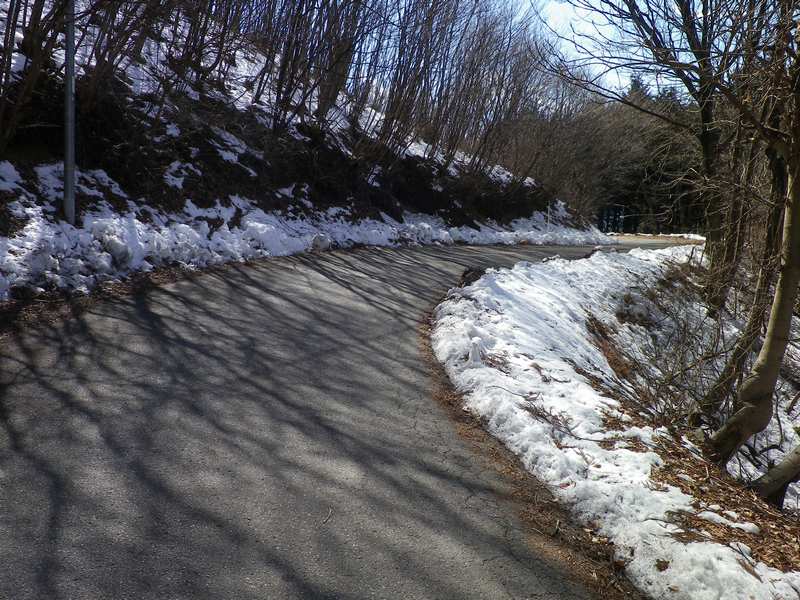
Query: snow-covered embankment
{"points": [[109, 244], [515, 344]]}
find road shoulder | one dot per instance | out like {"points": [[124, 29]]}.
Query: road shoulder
{"points": [[550, 531]]}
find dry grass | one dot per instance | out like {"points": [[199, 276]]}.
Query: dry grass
{"points": [[603, 339], [778, 542]]}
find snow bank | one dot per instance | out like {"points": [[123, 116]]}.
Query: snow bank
{"points": [[9, 177], [108, 244], [514, 344], [685, 236]]}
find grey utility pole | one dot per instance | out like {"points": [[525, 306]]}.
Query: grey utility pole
{"points": [[69, 115]]}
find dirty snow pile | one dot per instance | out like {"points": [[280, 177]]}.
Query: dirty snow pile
{"points": [[46, 252], [514, 343]]}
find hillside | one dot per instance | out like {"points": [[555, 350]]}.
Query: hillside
{"points": [[176, 167]]}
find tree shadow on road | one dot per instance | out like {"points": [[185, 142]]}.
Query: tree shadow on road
{"points": [[262, 432]]}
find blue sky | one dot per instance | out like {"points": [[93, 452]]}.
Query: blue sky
{"points": [[565, 18]]}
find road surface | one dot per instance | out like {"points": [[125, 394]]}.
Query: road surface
{"points": [[261, 432]]}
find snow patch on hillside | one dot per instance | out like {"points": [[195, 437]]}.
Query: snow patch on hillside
{"points": [[514, 344], [108, 244]]}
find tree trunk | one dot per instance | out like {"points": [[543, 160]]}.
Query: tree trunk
{"points": [[721, 389], [772, 485], [755, 395], [709, 146], [727, 259]]}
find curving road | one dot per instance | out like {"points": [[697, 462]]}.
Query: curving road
{"points": [[262, 432]]}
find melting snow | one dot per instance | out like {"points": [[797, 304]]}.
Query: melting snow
{"points": [[532, 320], [109, 244], [9, 177]]}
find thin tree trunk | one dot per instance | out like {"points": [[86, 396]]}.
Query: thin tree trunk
{"points": [[721, 277], [709, 145], [721, 389], [755, 394], [772, 485]]}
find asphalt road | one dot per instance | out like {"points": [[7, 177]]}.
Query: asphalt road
{"points": [[265, 432]]}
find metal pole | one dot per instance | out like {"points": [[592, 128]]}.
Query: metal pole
{"points": [[69, 115], [548, 216]]}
